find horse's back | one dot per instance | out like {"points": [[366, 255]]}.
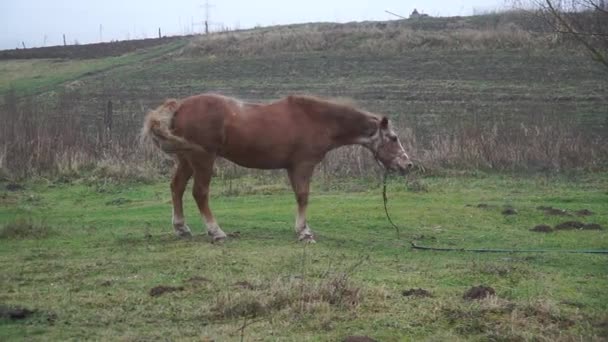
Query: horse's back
{"points": [[266, 136]]}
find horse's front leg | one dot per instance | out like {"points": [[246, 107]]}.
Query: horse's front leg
{"points": [[300, 176], [202, 165]]}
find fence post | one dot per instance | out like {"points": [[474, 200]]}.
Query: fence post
{"points": [[107, 120]]}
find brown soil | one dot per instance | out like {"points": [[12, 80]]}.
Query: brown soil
{"points": [[244, 284], [85, 51], [583, 212], [417, 293], [118, 201], [479, 292], [234, 235], [554, 211], [557, 212], [359, 339], [569, 225], [542, 228], [483, 205], [161, 289], [509, 211], [592, 226], [14, 312]]}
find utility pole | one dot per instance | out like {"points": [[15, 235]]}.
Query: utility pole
{"points": [[100, 33], [64, 44], [207, 7]]}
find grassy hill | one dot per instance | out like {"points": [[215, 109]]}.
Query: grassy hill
{"points": [[497, 74]]}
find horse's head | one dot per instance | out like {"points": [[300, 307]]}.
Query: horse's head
{"points": [[388, 150]]}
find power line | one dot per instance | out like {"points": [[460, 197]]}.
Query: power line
{"points": [[395, 14]]}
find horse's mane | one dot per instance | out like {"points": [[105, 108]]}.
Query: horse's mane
{"points": [[342, 106]]}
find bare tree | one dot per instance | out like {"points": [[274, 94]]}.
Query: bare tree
{"points": [[584, 21]]}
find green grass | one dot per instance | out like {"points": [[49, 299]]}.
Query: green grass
{"points": [[110, 244], [33, 76]]}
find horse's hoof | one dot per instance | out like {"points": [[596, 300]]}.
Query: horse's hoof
{"points": [[183, 233], [182, 230], [218, 237], [307, 238]]}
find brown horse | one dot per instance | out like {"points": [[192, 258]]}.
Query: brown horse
{"points": [[294, 134]]}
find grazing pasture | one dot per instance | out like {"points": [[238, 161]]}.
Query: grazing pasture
{"points": [[100, 261], [507, 127]]}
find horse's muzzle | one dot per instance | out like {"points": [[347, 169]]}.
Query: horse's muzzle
{"points": [[403, 167]]}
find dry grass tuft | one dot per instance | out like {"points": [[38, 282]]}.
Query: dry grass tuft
{"points": [[294, 294], [25, 229], [386, 38], [494, 318]]}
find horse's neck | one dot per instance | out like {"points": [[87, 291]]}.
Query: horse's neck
{"points": [[351, 128]]}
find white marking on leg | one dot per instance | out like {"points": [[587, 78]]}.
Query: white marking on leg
{"points": [[177, 220], [300, 222], [303, 230], [180, 227]]}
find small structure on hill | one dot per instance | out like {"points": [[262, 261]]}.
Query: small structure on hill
{"points": [[415, 14]]}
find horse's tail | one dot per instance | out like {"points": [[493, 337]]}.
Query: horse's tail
{"points": [[157, 128]]}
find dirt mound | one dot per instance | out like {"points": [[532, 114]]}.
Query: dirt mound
{"points": [[592, 226], [14, 312], [118, 201], [542, 228], [234, 235], [584, 212], [509, 211], [554, 211], [569, 225], [417, 293], [244, 284], [359, 339], [161, 289], [479, 292]]}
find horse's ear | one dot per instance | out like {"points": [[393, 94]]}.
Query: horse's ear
{"points": [[384, 123]]}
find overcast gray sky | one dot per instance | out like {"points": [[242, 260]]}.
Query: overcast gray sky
{"points": [[42, 22]]}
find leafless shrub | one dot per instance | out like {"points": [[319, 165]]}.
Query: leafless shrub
{"points": [[581, 22], [36, 138]]}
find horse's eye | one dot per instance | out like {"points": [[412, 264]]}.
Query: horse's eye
{"points": [[393, 137]]}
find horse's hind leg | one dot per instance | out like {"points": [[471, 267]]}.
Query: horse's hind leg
{"points": [[203, 169], [183, 172]]}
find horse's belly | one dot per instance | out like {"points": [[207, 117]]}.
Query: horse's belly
{"points": [[256, 159]]}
